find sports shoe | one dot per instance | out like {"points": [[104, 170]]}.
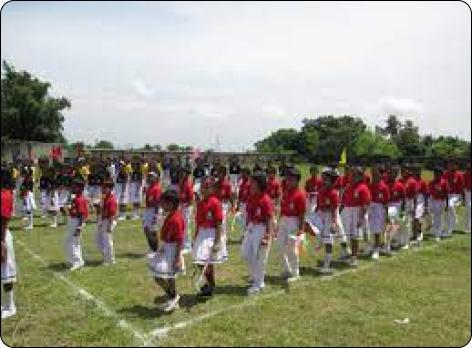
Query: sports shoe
{"points": [[77, 266], [254, 290], [206, 291], [293, 278], [375, 255], [9, 311], [172, 304]]}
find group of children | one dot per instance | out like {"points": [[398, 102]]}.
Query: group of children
{"points": [[387, 207]]}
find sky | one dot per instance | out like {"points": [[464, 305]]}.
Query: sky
{"points": [[197, 72]]}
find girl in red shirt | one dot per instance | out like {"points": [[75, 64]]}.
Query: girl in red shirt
{"points": [[152, 216], [168, 261], [255, 245], [107, 223], [291, 224], [243, 196], [210, 242], [186, 198]]}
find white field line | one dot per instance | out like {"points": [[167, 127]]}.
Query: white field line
{"points": [[107, 312], [162, 332]]}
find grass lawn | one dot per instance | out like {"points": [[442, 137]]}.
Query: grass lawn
{"points": [[431, 287]]}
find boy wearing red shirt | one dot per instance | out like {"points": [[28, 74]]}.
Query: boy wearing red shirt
{"points": [[224, 194], [78, 216], [378, 209], [455, 180], [186, 198], [256, 242], [167, 263], [210, 242], [292, 223], [152, 215], [8, 252], [244, 192], [328, 202], [437, 203], [356, 200], [312, 186], [107, 223]]}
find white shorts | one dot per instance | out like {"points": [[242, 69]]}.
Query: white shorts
{"points": [[43, 199], [252, 241], [53, 202], [437, 206], [202, 250], [121, 192], [326, 221], [64, 195], [394, 210], [351, 221], [315, 220], [135, 192], [288, 228], [95, 194], [9, 267], [377, 217], [162, 264], [28, 203], [151, 220]]}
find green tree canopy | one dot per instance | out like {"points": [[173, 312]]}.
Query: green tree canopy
{"points": [[28, 111]]}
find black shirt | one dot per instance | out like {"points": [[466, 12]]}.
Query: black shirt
{"points": [[44, 183], [174, 175], [198, 172]]}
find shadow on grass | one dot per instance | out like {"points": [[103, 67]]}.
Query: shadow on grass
{"points": [[152, 312], [237, 290], [131, 255]]}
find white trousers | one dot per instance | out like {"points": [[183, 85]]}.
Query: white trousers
{"points": [[254, 253], [187, 212], [467, 211], [104, 240], [73, 247], [454, 200], [437, 213], [9, 267], [289, 244]]}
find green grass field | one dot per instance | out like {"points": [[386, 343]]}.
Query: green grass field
{"points": [[430, 286]]}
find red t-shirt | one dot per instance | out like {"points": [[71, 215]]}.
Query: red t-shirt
{"points": [[259, 208], [412, 187], [223, 191], [357, 195], [153, 195], [173, 229], [283, 185], [439, 189], [423, 187], [7, 204], [386, 178], [244, 190], [312, 186], [456, 181], [110, 207], [293, 203], [367, 179], [467, 180], [380, 192], [186, 192], [328, 199], [79, 207], [209, 212], [342, 182], [397, 191], [274, 189]]}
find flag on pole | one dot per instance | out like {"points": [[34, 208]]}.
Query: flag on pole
{"points": [[343, 159]]}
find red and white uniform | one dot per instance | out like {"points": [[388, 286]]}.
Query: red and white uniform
{"points": [[439, 193], [355, 197], [209, 215], [292, 209], [312, 187], [456, 183], [412, 191], [172, 236], [78, 215], [106, 226], [254, 248], [224, 193], [328, 202], [274, 189], [186, 198], [243, 197], [9, 266], [380, 197], [152, 217]]}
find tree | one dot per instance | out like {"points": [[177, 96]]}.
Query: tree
{"points": [[104, 144], [173, 147], [393, 126], [28, 112], [408, 140], [372, 144], [281, 140]]}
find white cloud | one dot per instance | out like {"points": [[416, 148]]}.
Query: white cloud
{"points": [[141, 89]]}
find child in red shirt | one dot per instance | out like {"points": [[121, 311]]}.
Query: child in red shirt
{"points": [[167, 263], [107, 224]]}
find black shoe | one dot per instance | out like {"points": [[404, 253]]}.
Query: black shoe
{"points": [[206, 291]]}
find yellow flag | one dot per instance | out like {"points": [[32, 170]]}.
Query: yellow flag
{"points": [[343, 159]]}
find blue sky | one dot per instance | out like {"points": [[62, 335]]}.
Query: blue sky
{"points": [[185, 72]]}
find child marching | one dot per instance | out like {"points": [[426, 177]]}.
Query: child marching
{"points": [[78, 216], [152, 215], [107, 223]]}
